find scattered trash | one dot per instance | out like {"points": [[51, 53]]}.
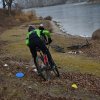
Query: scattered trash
{"points": [[74, 86], [33, 66], [75, 52], [19, 75], [35, 70], [5, 65]]}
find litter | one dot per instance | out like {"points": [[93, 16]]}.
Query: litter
{"points": [[74, 86], [19, 75], [5, 65]]}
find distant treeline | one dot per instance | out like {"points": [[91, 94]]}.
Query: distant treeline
{"points": [[43, 3], [39, 3]]}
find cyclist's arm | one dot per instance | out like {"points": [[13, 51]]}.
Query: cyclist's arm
{"points": [[48, 34]]}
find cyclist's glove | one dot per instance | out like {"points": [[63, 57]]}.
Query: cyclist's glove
{"points": [[49, 40]]}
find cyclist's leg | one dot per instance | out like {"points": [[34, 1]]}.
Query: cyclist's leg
{"points": [[39, 43], [45, 50], [34, 55]]}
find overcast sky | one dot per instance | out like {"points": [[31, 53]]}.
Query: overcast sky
{"points": [[0, 4]]}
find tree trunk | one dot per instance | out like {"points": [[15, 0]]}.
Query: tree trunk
{"points": [[9, 8], [4, 5], [9, 4]]}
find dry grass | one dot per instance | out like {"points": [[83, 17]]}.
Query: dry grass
{"points": [[15, 19], [32, 87], [23, 17], [78, 63]]}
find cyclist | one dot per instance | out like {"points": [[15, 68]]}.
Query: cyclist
{"points": [[34, 40]]}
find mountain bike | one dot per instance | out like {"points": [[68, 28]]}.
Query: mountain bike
{"points": [[44, 68]]}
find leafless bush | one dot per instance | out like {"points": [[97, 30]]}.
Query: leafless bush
{"points": [[48, 18]]}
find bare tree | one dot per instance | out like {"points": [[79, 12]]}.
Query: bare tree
{"points": [[9, 4], [3, 3]]}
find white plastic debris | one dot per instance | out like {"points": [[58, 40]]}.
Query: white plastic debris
{"points": [[35, 70], [75, 52], [33, 66], [5, 65]]}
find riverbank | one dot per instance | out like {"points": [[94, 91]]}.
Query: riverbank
{"points": [[68, 40], [74, 19]]}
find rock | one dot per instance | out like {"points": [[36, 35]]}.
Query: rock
{"points": [[96, 35], [48, 18], [58, 48]]}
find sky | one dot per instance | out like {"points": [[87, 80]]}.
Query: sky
{"points": [[0, 4]]}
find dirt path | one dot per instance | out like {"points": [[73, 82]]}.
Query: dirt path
{"points": [[14, 53], [33, 87]]}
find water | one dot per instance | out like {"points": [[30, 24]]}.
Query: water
{"points": [[76, 19]]}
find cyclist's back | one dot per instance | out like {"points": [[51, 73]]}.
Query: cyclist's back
{"points": [[34, 42]]}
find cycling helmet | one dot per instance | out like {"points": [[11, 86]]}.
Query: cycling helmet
{"points": [[31, 28], [41, 27]]}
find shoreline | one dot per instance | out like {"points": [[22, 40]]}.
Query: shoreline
{"points": [[61, 30], [58, 29]]}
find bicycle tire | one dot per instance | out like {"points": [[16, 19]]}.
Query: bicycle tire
{"points": [[43, 72], [55, 70]]}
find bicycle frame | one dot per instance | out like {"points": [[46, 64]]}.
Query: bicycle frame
{"points": [[45, 58], [45, 69]]}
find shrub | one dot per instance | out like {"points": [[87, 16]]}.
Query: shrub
{"points": [[96, 35], [48, 18], [26, 16], [31, 15]]}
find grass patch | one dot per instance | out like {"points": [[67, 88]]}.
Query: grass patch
{"points": [[16, 47], [77, 63]]}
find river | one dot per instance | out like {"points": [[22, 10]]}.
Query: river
{"points": [[76, 19]]}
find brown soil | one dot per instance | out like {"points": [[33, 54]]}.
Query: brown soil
{"points": [[33, 87]]}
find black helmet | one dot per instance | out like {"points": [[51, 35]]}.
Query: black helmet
{"points": [[31, 28]]}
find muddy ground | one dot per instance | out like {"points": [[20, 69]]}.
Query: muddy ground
{"points": [[33, 87]]}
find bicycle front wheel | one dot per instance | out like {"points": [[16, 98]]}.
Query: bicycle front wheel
{"points": [[42, 69], [55, 70]]}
